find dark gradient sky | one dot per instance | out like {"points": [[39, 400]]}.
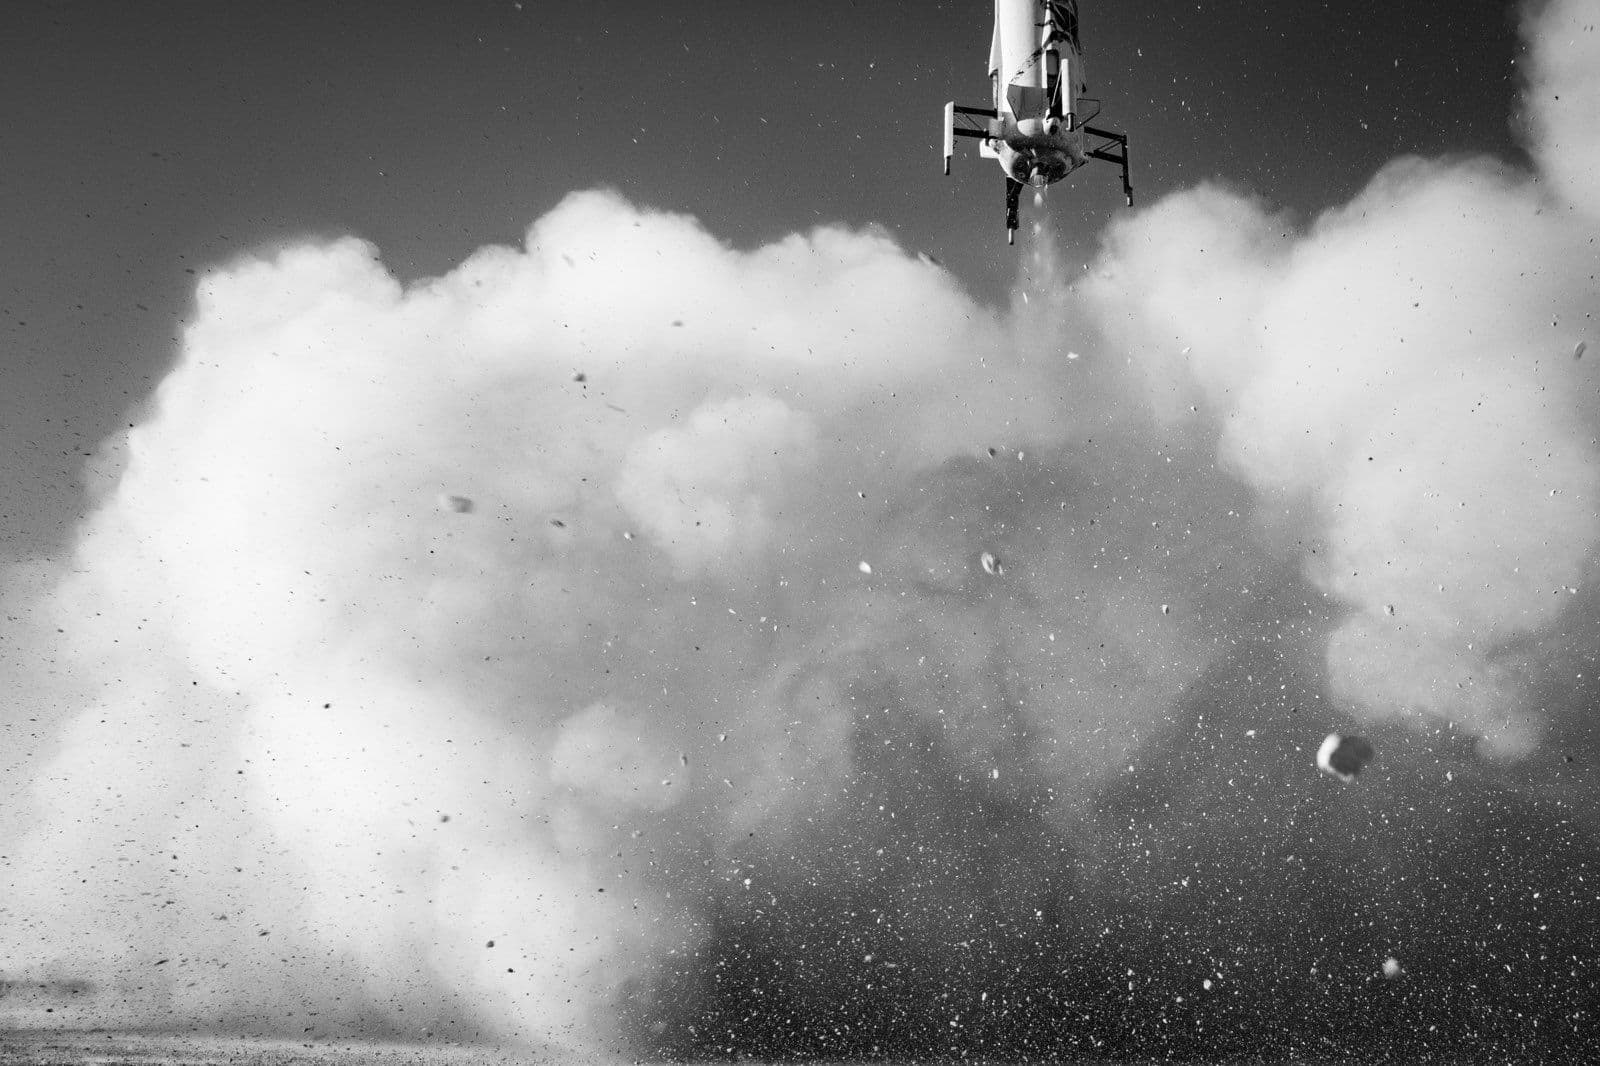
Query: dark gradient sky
{"points": [[139, 142]]}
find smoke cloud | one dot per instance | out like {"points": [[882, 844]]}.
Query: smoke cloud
{"points": [[1398, 382], [627, 642]]}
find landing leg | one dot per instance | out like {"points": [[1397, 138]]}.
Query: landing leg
{"points": [[1119, 157], [1013, 195]]}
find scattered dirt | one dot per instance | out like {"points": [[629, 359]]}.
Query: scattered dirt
{"points": [[83, 1048]]}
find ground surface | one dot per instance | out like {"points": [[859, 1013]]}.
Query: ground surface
{"points": [[61, 1047], [79, 1048]]}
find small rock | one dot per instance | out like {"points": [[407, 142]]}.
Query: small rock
{"points": [[458, 504], [1344, 757]]}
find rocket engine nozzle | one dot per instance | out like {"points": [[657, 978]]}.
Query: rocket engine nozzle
{"points": [[1033, 168]]}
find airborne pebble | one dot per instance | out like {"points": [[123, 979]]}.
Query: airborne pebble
{"points": [[458, 504], [991, 564], [1344, 757]]}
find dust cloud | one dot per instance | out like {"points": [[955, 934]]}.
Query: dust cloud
{"points": [[635, 644]]}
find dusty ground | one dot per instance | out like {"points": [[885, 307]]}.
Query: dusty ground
{"points": [[63, 1047], [81, 1048]]}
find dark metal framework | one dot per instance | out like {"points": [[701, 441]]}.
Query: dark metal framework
{"points": [[1064, 21], [1104, 153]]}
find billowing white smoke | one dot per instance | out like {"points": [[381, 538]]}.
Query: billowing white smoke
{"points": [[1401, 378], [1559, 100], [1406, 379], [423, 620], [447, 655]]}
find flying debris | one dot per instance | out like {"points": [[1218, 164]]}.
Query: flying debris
{"points": [[1578, 349], [1038, 128], [864, 566], [1344, 757], [991, 564], [458, 504], [1391, 967]]}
